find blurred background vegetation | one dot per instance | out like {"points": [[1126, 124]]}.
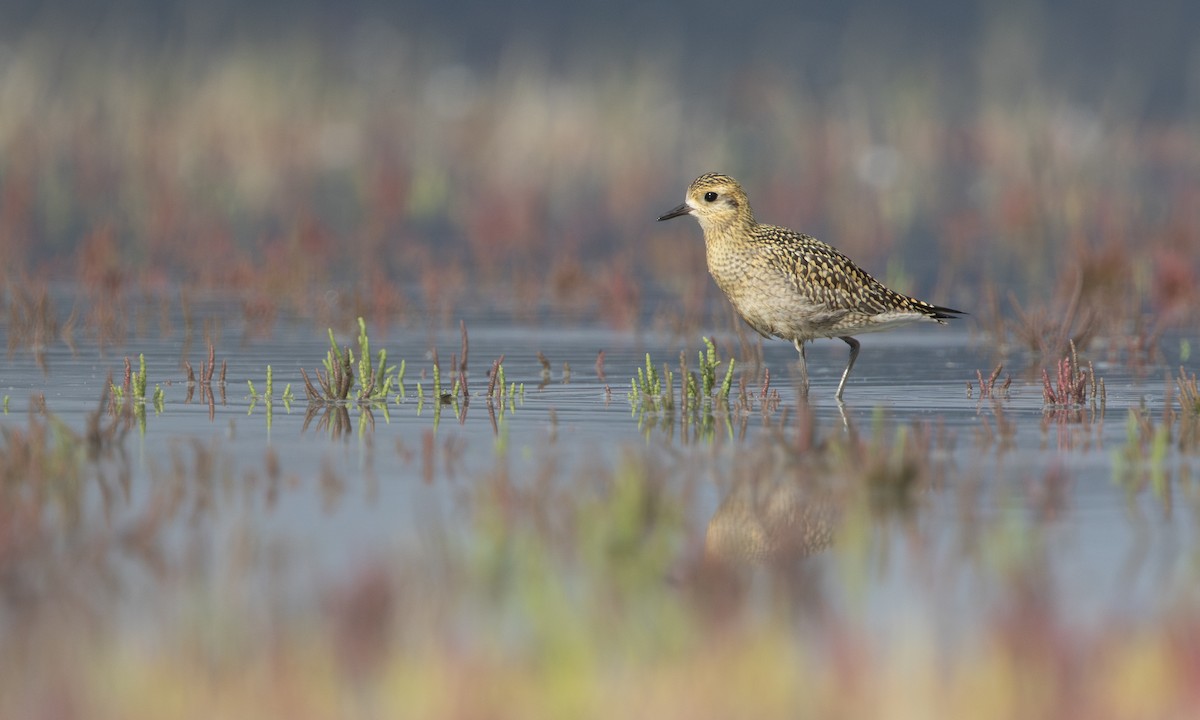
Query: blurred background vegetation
{"points": [[465, 152]]}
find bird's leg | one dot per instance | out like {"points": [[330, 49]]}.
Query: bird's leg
{"points": [[842, 411], [846, 373], [803, 365]]}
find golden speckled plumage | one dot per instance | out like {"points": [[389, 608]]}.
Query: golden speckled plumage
{"points": [[788, 285]]}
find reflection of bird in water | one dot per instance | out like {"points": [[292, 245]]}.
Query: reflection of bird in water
{"points": [[763, 521]]}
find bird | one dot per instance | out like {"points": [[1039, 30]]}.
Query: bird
{"points": [[789, 285]]}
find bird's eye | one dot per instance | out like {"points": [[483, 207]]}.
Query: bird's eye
{"points": [[710, 196]]}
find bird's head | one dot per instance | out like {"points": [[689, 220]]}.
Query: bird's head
{"points": [[717, 201]]}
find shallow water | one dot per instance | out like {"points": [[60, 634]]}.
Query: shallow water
{"points": [[340, 497]]}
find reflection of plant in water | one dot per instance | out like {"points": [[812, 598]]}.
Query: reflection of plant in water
{"points": [[1145, 459], [83, 538], [335, 418], [1142, 459], [1002, 434], [1149, 441], [51, 479]]}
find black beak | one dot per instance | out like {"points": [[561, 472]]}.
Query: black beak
{"points": [[683, 209]]}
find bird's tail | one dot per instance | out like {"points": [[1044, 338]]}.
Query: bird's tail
{"points": [[939, 313]]}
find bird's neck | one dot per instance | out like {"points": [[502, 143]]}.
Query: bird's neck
{"points": [[728, 229]]}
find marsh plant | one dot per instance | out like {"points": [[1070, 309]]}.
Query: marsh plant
{"points": [[267, 397], [703, 394], [1184, 425], [130, 396], [204, 380], [1189, 393], [1072, 387], [207, 370], [987, 387], [699, 391], [499, 394], [134, 385], [337, 382]]}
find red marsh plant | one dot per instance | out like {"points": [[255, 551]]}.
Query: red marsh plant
{"points": [[205, 380], [1188, 395], [1072, 386], [987, 388]]}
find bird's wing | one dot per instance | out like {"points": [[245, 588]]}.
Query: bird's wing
{"points": [[829, 277]]}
